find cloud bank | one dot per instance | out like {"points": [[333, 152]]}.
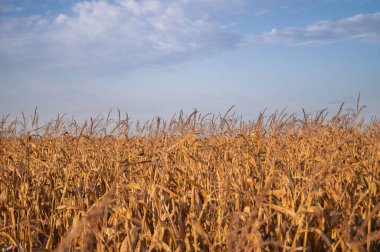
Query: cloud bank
{"points": [[124, 34], [362, 27]]}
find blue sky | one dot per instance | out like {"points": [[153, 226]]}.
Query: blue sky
{"points": [[155, 57]]}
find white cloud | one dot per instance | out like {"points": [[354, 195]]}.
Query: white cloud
{"points": [[362, 27], [120, 34], [12, 6], [261, 12], [137, 8]]}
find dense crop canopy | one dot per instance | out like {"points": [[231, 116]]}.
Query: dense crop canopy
{"points": [[194, 183]]}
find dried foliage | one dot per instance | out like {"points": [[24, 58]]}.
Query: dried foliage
{"points": [[195, 183]]}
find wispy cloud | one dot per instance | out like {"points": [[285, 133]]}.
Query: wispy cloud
{"points": [[261, 12], [7, 6], [361, 27], [121, 34]]}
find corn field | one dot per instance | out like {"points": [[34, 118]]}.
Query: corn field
{"points": [[197, 182]]}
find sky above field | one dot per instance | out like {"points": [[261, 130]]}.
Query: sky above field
{"points": [[155, 57]]}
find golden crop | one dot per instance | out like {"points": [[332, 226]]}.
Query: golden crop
{"points": [[211, 183]]}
